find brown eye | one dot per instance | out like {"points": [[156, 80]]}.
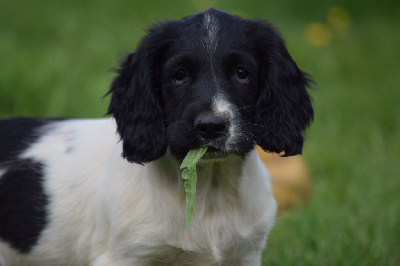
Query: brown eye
{"points": [[179, 77], [242, 76]]}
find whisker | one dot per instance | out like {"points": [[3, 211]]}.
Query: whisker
{"points": [[256, 125], [244, 134], [244, 107], [254, 135]]}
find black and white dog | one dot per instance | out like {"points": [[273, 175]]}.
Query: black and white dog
{"points": [[68, 197]]}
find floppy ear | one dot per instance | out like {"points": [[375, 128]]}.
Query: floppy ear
{"points": [[284, 109], [136, 101]]}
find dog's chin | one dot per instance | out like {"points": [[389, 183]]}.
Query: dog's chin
{"points": [[211, 153], [215, 154]]}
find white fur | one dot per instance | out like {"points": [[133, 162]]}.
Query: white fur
{"points": [[210, 24], [2, 172], [210, 40], [222, 107], [106, 211]]}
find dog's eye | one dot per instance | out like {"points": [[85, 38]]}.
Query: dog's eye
{"points": [[179, 77], [242, 76]]}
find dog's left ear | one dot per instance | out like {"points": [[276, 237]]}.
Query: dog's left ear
{"points": [[284, 109], [136, 101]]}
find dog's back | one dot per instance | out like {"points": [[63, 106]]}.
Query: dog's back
{"points": [[48, 172]]}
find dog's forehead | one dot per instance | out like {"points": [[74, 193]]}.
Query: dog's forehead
{"points": [[207, 28], [211, 27]]}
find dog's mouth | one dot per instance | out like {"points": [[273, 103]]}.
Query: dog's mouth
{"points": [[214, 153]]}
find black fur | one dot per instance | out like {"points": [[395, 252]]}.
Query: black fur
{"points": [[18, 134], [23, 201], [152, 112], [135, 101], [23, 204], [284, 107]]}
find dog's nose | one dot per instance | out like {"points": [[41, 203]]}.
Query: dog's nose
{"points": [[210, 126]]}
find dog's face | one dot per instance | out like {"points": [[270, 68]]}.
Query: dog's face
{"points": [[211, 79]]}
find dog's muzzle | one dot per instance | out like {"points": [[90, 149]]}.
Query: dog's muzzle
{"points": [[210, 127], [212, 130]]}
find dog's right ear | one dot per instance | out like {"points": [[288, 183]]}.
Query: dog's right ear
{"points": [[136, 101]]}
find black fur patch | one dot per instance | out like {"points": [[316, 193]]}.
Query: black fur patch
{"points": [[16, 135], [23, 203]]}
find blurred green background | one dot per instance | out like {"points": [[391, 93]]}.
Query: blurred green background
{"points": [[56, 59]]}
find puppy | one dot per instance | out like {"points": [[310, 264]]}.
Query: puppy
{"points": [[68, 197]]}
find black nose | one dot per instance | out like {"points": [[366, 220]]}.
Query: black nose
{"points": [[210, 126]]}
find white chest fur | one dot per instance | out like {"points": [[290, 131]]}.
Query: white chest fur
{"points": [[234, 211]]}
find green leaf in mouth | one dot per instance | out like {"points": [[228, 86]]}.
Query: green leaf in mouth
{"points": [[189, 175]]}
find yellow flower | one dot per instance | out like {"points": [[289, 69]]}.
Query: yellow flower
{"points": [[318, 34]]}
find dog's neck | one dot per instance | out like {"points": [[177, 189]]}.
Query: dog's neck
{"points": [[218, 181]]}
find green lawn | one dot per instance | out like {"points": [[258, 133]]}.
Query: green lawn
{"points": [[56, 59]]}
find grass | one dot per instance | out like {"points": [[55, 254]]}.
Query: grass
{"points": [[56, 58]]}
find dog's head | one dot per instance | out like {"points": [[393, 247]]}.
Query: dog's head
{"points": [[211, 79]]}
